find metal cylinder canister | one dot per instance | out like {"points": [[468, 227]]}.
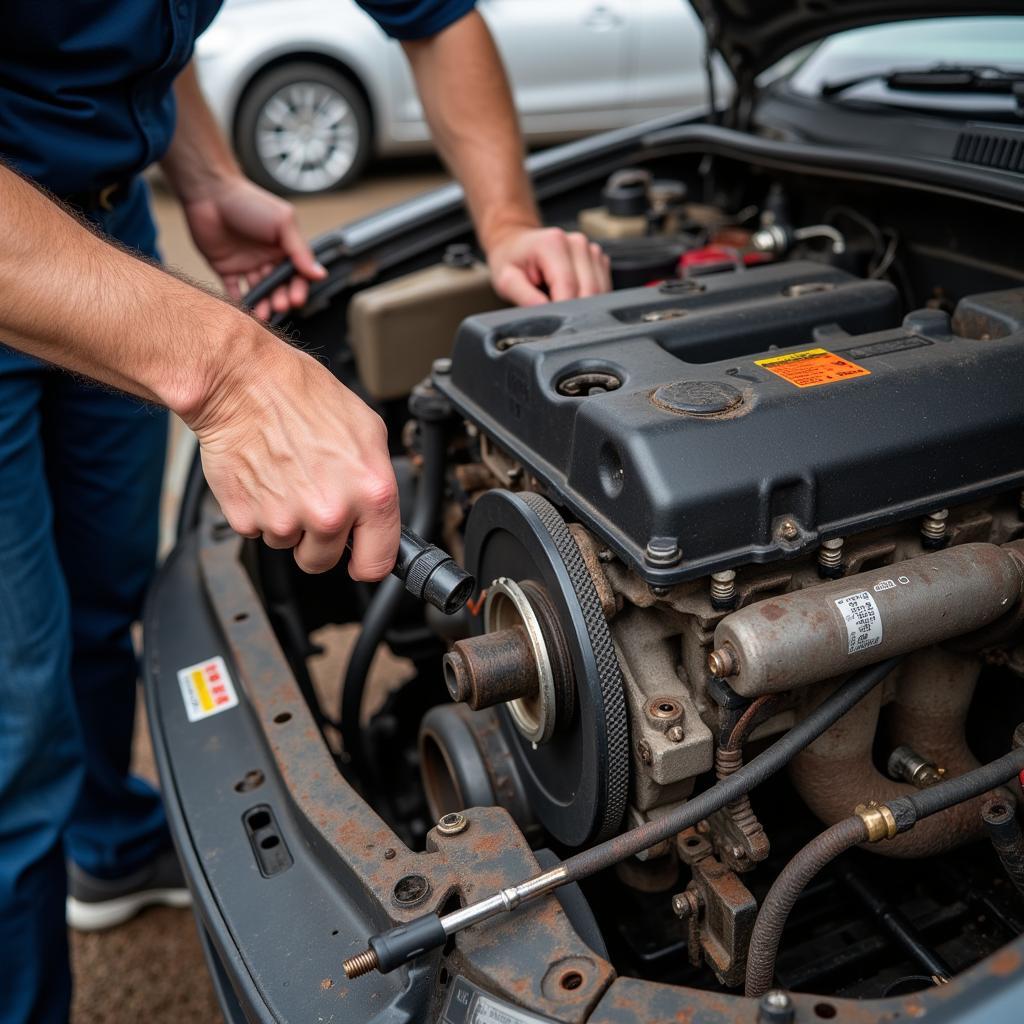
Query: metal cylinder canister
{"points": [[835, 628]]}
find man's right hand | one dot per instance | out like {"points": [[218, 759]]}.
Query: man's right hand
{"points": [[291, 454]]}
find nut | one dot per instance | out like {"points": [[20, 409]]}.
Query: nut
{"points": [[452, 824]]}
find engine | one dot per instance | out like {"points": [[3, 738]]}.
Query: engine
{"points": [[693, 510]]}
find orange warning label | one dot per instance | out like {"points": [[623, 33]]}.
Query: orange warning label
{"points": [[812, 367]]}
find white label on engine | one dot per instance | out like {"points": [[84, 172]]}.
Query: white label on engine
{"points": [[863, 623]]}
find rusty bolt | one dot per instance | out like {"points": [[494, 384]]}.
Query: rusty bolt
{"points": [[452, 824], [722, 662], [643, 748], [723, 589], [676, 734], [686, 904], [788, 530], [410, 889], [606, 555]]}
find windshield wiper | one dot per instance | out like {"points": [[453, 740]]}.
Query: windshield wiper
{"points": [[940, 78]]}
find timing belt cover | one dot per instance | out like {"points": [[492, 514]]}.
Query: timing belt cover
{"points": [[577, 782]]}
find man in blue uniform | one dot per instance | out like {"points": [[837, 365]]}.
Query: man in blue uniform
{"points": [[91, 93]]}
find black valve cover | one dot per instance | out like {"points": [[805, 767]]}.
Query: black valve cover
{"points": [[745, 416]]}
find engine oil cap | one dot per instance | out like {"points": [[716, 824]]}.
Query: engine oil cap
{"points": [[697, 397]]}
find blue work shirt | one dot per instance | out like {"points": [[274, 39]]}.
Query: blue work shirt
{"points": [[86, 85]]}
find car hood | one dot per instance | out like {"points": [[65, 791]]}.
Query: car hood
{"points": [[752, 35]]}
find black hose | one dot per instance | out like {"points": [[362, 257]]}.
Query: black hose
{"points": [[774, 912], [406, 942], [752, 774], [926, 802], [388, 596], [906, 810], [1008, 842]]}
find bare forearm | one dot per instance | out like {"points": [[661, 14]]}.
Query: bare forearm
{"points": [[468, 104], [199, 157], [72, 299]]}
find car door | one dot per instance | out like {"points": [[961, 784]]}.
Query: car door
{"points": [[566, 60], [665, 58]]}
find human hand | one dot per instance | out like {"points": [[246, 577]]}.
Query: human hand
{"points": [[527, 260], [244, 232], [291, 454]]}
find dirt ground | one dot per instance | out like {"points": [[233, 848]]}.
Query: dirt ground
{"points": [[152, 968]]}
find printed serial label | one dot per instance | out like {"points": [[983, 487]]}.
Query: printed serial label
{"points": [[206, 689], [487, 1011], [863, 623], [812, 367]]}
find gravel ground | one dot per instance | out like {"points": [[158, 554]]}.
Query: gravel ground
{"points": [[152, 969]]}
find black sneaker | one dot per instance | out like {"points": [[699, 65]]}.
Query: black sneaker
{"points": [[97, 903]]}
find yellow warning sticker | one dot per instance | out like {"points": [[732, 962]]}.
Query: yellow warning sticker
{"points": [[812, 367], [206, 689]]}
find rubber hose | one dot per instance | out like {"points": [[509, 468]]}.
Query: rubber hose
{"points": [[388, 596], [771, 919], [926, 802], [907, 811], [1008, 842], [752, 774]]}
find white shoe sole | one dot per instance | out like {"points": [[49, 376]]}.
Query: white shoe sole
{"points": [[95, 917]]}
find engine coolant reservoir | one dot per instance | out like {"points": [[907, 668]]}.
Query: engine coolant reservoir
{"points": [[398, 328]]}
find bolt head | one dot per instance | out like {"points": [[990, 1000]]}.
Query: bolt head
{"points": [[442, 366], [452, 824], [788, 530], [725, 576], [643, 749], [680, 905], [662, 551], [675, 734], [410, 889], [832, 545]]}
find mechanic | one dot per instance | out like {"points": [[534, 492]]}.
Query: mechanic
{"points": [[88, 99]]}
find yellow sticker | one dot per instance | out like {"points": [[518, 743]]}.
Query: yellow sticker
{"points": [[206, 689], [812, 367]]}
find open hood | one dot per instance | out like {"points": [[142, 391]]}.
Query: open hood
{"points": [[753, 34]]}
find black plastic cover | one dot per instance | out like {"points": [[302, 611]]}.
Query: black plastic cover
{"points": [[646, 415]]}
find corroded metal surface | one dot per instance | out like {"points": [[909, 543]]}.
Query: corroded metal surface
{"points": [[511, 956]]}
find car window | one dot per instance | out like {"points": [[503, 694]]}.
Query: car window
{"points": [[912, 44]]}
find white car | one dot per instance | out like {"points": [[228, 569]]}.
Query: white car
{"points": [[309, 90]]}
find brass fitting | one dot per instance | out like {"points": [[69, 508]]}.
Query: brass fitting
{"points": [[722, 662], [878, 820]]}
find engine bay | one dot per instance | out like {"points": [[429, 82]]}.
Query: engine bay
{"points": [[784, 450]]}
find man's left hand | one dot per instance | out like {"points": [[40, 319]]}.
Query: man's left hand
{"points": [[244, 232], [530, 266]]}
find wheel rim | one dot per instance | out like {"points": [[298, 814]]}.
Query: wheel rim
{"points": [[307, 137]]}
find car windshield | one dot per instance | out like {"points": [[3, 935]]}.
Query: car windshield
{"points": [[879, 50]]}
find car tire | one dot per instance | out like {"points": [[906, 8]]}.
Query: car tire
{"points": [[303, 129]]}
